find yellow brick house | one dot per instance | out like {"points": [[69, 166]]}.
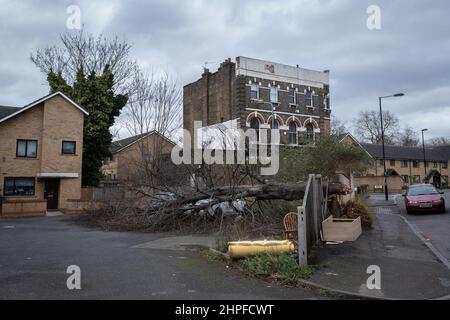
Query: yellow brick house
{"points": [[41, 146]]}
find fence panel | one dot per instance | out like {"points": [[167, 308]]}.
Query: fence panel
{"points": [[311, 215]]}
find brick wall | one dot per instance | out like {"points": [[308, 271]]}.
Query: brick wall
{"points": [[222, 96], [50, 122], [395, 183]]}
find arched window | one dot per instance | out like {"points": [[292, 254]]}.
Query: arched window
{"points": [[274, 123], [310, 137], [254, 124], [293, 138]]}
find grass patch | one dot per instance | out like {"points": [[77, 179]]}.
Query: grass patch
{"points": [[281, 267]]}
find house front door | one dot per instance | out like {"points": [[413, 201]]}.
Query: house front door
{"points": [[51, 193]]}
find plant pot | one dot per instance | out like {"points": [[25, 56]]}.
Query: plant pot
{"points": [[341, 229]]}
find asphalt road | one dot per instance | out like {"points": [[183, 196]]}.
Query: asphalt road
{"points": [[435, 227], [35, 254]]}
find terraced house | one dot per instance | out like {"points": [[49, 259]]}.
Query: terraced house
{"points": [[262, 95], [41, 146], [406, 166]]}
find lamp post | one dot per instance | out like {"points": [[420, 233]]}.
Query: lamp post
{"points": [[382, 142], [424, 156]]}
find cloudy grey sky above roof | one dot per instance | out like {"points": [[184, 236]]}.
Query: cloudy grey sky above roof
{"points": [[410, 54]]}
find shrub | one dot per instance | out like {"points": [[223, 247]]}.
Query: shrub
{"points": [[281, 267], [359, 208]]}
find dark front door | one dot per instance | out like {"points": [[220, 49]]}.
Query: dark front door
{"points": [[51, 193]]}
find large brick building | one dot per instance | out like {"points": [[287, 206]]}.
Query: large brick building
{"points": [[252, 91]]}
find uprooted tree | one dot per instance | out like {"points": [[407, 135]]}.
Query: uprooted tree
{"points": [[202, 187]]}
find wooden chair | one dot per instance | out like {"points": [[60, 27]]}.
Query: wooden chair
{"points": [[290, 221]]}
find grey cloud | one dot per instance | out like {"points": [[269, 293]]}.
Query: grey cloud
{"points": [[409, 53]]}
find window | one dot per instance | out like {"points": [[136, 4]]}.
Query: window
{"points": [[254, 92], [273, 94], [405, 178], [308, 99], [444, 165], [435, 164], [445, 181], [254, 124], [19, 186], [69, 147], [291, 96], [416, 163], [326, 102], [392, 163], [293, 137], [274, 124], [404, 163], [416, 179], [381, 162], [310, 133], [26, 149]]}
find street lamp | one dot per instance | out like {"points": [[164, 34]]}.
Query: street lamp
{"points": [[424, 156], [382, 142]]}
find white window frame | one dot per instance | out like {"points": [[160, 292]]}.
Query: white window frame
{"points": [[312, 100], [257, 91], [295, 96], [271, 93]]}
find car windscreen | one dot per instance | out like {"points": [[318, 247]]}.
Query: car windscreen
{"points": [[423, 190]]}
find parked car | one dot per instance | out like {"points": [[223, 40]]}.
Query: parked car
{"points": [[225, 208], [159, 198], [424, 198]]}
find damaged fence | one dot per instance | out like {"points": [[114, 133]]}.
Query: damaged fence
{"points": [[310, 216]]}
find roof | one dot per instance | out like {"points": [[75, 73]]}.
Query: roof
{"points": [[9, 112], [342, 136], [408, 153], [6, 111], [119, 145]]}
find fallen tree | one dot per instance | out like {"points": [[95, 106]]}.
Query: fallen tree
{"points": [[261, 192]]}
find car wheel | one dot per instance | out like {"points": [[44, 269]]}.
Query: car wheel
{"points": [[443, 210], [408, 212]]}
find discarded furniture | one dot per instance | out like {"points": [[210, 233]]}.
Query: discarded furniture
{"points": [[241, 249], [290, 222], [334, 229]]}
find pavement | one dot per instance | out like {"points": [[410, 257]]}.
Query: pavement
{"points": [[410, 269], [36, 252]]}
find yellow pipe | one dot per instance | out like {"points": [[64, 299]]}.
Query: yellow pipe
{"points": [[241, 249]]}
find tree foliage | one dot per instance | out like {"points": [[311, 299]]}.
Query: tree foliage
{"points": [[327, 157], [408, 137], [91, 53], [439, 141], [368, 127], [94, 93]]}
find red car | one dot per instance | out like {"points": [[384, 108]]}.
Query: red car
{"points": [[424, 198]]}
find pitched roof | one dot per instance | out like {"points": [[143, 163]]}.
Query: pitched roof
{"points": [[119, 145], [9, 112], [6, 111], [408, 153]]}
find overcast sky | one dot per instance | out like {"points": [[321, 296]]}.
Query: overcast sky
{"points": [[410, 53]]}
